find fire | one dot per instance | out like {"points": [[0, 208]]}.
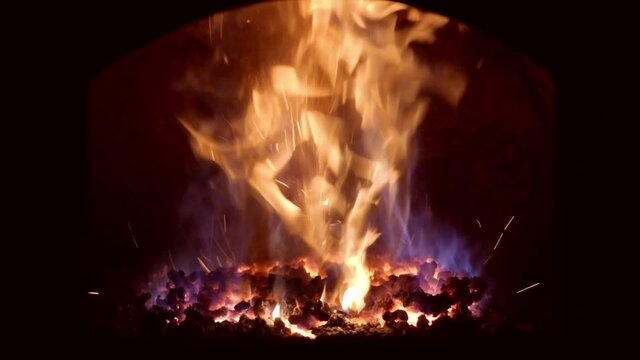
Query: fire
{"points": [[293, 328], [325, 141], [276, 312], [246, 295]]}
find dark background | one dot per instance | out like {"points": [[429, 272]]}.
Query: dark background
{"points": [[78, 40]]}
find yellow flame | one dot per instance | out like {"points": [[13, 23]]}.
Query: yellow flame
{"points": [[294, 328], [343, 109], [304, 332]]}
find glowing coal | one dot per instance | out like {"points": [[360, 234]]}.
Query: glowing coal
{"points": [[250, 299]]}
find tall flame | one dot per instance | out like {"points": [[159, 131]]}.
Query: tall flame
{"points": [[326, 139]]}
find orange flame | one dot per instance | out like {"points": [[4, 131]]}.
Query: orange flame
{"points": [[351, 57]]}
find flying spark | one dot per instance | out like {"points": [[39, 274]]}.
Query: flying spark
{"points": [[282, 183], [203, 265], [273, 167], [479, 224], [93, 293], [509, 223], [528, 287], [498, 242], [132, 236], [171, 260], [222, 249]]}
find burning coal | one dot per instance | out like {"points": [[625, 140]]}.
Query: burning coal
{"points": [[283, 300]]}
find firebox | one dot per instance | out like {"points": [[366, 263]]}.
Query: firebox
{"points": [[318, 169]]}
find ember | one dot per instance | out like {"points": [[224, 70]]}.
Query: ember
{"points": [[235, 301]]}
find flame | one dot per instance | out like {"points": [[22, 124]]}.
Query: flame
{"points": [[413, 317], [236, 287], [276, 312], [339, 116], [303, 332]]}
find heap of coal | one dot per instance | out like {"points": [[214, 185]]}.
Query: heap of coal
{"points": [[189, 306]]}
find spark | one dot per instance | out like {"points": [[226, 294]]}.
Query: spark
{"points": [[224, 118], [509, 223], [326, 202], [498, 242], [226, 239], [273, 167], [204, 257], [203, 265], [132, 236], [259, 132], [486, 261], [171, 260], [286, 141], [213, 158], [479, 224], [233, 256], [218, 260], [222, 249], [282, 183], [528, 287], [213, 238], [93, 293], [277, 147], [293, 131]]}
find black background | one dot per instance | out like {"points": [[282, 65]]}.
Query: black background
{"points": [[75, 40]]}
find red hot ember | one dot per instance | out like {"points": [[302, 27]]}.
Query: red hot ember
{"points": [[289, 300]]}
